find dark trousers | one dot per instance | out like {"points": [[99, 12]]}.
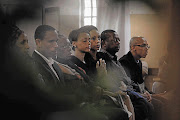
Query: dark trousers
{"points": [[142, 108]]}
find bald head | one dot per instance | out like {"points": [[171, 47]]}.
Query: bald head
{"points": [[139, 47], [64, 47], [136, 40]]}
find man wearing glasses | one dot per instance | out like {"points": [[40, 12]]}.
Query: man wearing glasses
{"points": [[133, 65]]}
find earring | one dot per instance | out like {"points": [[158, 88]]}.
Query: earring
{"points": [[73, 47]]}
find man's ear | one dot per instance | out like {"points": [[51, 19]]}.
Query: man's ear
{"points": [[74, 44], [38, 42], [103, 44], [132, 48]]}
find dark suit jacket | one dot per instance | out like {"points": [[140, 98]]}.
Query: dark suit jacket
{"points": [[132, 68], [20, 97], [64, 97], [45, 71]]}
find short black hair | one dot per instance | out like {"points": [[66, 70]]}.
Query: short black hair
{"points": [[104, 35], [41, 31], [73, 35], [13, 34]]}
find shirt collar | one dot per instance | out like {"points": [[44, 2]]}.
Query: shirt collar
{"points": [[104, 51], [49, 61], [129, 53]]}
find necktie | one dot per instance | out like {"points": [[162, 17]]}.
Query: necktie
{"points": [[59, 72]]}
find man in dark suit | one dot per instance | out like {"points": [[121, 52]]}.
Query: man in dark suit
{"points": [[50, 75], [46, 38]]}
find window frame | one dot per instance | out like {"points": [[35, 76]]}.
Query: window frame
{"points": [[91, 16]]}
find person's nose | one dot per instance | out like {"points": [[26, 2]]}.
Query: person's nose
{"points": [[89, 42], [55, 44], [147, 48], [118, 42], [97, 40], [27, 46]]}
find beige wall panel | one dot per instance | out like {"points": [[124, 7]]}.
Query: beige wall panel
{"points": [[156, 31]]}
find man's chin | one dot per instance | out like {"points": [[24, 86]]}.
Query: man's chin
{"points": [[53, 55], [68, 55], [117, 50], [144, 56]]}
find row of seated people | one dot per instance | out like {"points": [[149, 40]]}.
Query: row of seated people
{"points": [[78, 82]]}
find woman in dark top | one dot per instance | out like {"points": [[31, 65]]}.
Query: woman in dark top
{"points": [[19, 95], [80, 45], [91, 58], [96, 66]]}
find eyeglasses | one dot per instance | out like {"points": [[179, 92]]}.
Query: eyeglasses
{"points": [[143, 45]]}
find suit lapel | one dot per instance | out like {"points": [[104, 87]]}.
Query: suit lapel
{"points": [[59, 72], [44, 67], [136, 67]]}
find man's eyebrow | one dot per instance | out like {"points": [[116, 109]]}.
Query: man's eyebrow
{"points": [[53, 40]]}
